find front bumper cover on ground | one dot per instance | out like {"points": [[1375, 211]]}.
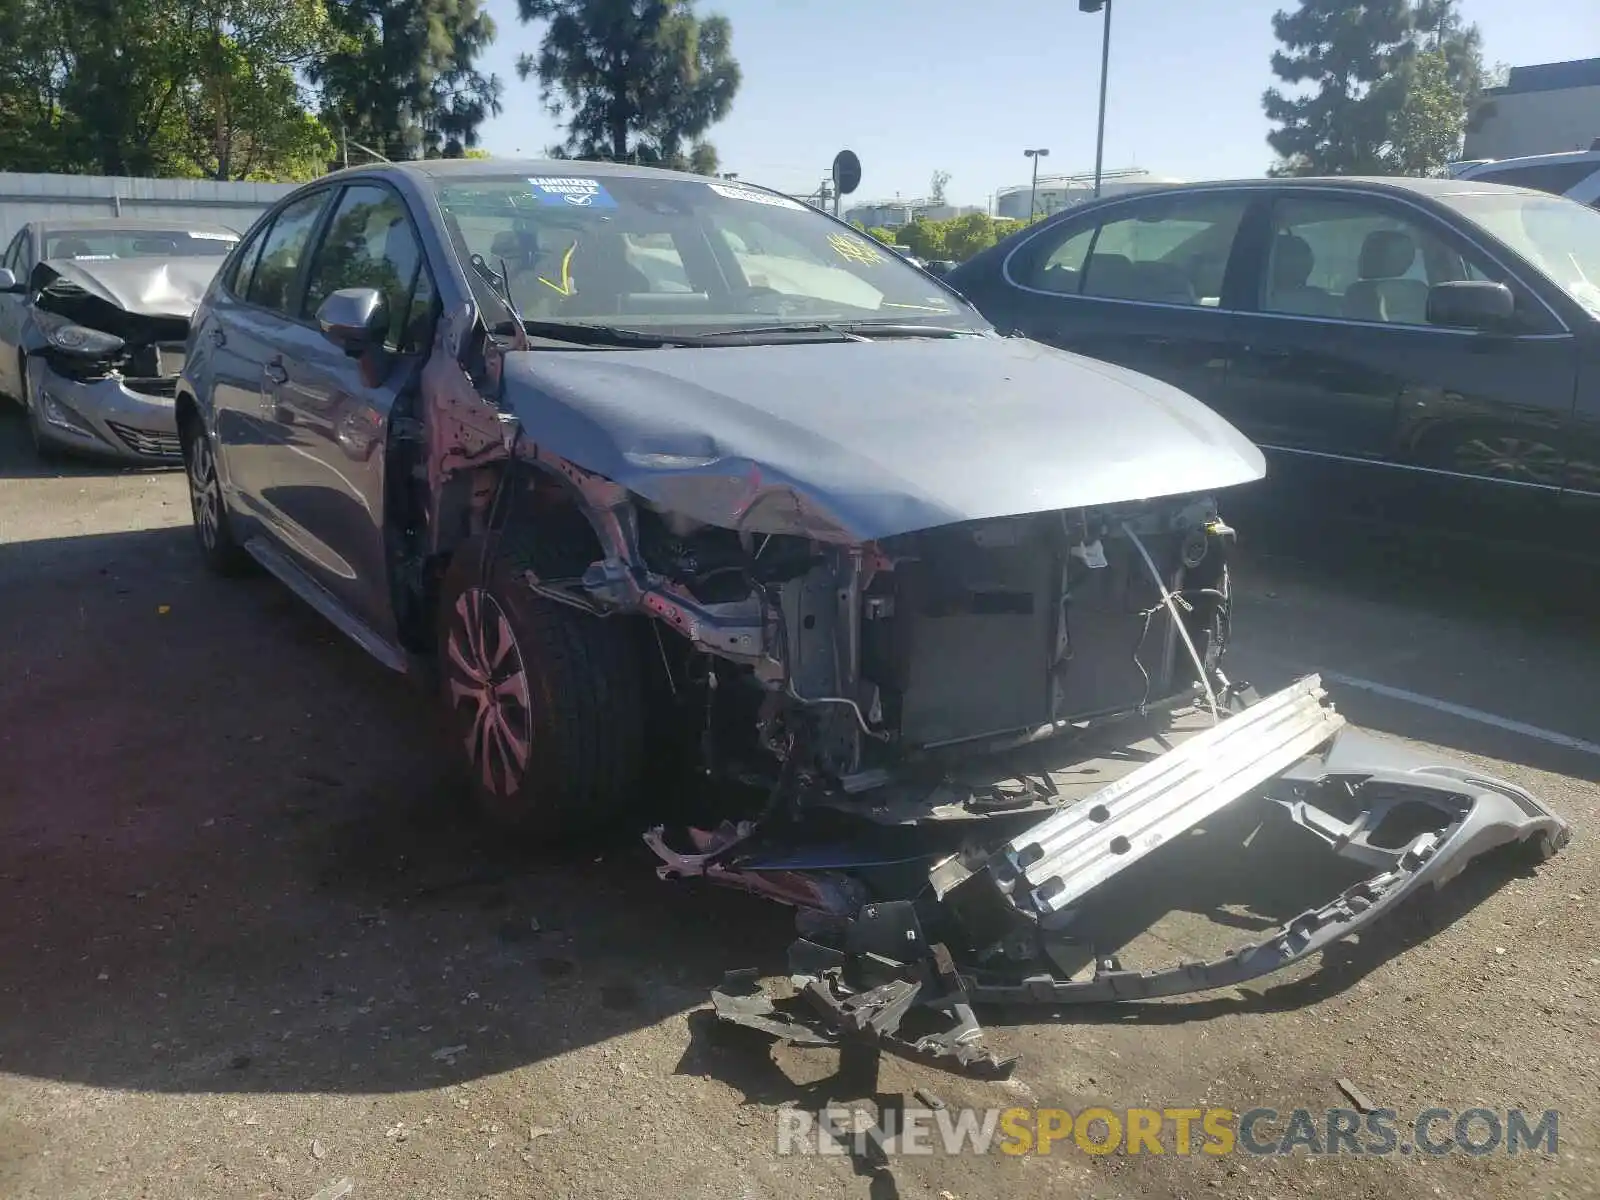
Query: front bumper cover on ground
{"points": [[1416, 820]]}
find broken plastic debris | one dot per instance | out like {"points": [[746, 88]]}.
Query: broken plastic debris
{"points": [[448, 1054], [1092, 554], [540, 1131], [336, 1191], [318, 1150], [163, 609]]}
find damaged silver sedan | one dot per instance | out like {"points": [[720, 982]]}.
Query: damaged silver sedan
{"points": [[685, 496], [93, 320]]}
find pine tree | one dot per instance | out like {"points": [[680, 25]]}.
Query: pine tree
{"points": [[636, 80]]}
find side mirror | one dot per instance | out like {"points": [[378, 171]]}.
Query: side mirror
{"points": [[354, 319], [1471, 304], [8, 281]]}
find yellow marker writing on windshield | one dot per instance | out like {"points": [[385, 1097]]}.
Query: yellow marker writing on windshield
{"points": [[565, 286]]}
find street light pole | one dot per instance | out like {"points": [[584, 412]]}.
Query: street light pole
{"points": [[1094, 6], [1033, 190]]}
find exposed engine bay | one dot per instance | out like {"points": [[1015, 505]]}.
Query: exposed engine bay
{"points": [[860, 673], [87, 336]]}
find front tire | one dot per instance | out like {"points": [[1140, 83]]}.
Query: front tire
{"points": [[213, 533], [547, 702]]}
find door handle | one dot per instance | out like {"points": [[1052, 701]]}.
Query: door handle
{"points": [[275, 373], [218, 338]]}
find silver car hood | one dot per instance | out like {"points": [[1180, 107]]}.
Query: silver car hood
{"points": [[147, 287], [864, 440]]}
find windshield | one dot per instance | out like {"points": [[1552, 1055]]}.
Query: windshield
{"points": [[1559, 237], [641, 251], [137, 243]]}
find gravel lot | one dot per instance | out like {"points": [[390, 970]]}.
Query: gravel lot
{"points": [[251, 944]]}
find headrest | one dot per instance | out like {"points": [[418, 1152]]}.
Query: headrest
{"points": [[1292, 260], [515, 244], [1387, 254]]}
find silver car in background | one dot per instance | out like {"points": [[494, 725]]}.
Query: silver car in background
{"points": [[93, 320]]}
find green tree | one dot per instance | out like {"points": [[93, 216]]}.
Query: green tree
{"points": [[1425, 132], [967, 235], [401, 76], [881, 234], [1346, 50], [1362, 61], [922, 237], [635, 80], [159, 87], [245, 110]]}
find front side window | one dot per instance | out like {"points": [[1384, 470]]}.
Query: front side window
{"points": [[1172, 250], [1559, 238], [13, 259], [369, 243], [282, 250], [696, 254], [1358, 260]]}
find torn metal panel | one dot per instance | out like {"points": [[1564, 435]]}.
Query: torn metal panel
{"points": [[1058, 861]]}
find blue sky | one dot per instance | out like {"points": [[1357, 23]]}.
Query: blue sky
{"points": [[914, 86]]}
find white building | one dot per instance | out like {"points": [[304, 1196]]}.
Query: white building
{"points": [[1542, 109], [892, 214], [1056, 192]]}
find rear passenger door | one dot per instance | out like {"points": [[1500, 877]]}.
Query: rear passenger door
{"points": [[1143, 283], [1362, 403]]}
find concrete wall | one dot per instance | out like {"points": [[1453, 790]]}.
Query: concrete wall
{"points": [[1516, 123], [25, 198]]}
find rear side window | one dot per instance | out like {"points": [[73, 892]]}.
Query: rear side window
{"points": [[1556, 178], [273, 282], [369, 243], [1172, 250]]}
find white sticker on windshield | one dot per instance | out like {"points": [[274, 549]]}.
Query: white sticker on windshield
{"points": [[734, 192], [206, 236]]}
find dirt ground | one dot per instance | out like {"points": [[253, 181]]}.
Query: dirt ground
{"points": [[253, 944]]}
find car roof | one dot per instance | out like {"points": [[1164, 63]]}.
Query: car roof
{"points": [[494, 168], [129, 224], [1433, 188], [1559, 156]]}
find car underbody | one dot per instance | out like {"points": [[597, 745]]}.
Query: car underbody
{"points": [[947, 741]]}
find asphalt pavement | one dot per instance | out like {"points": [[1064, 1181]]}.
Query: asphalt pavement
{"points": [[253, 943]]}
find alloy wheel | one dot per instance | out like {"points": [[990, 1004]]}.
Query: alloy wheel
{"points": [[205, 493], [1505, 456], [487, 674]]}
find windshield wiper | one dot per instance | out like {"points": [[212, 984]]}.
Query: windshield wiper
{"points": [[582, 333], [844, 331]]}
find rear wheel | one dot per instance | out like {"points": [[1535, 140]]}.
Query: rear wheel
{"points": [[213, 533], [1494, 452], [547, 702]]}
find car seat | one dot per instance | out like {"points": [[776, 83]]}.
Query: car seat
{"points": [[1292, 263], [1108, 275], [1161, 283], [72, 248], [1381, 294], [602, 276]]}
